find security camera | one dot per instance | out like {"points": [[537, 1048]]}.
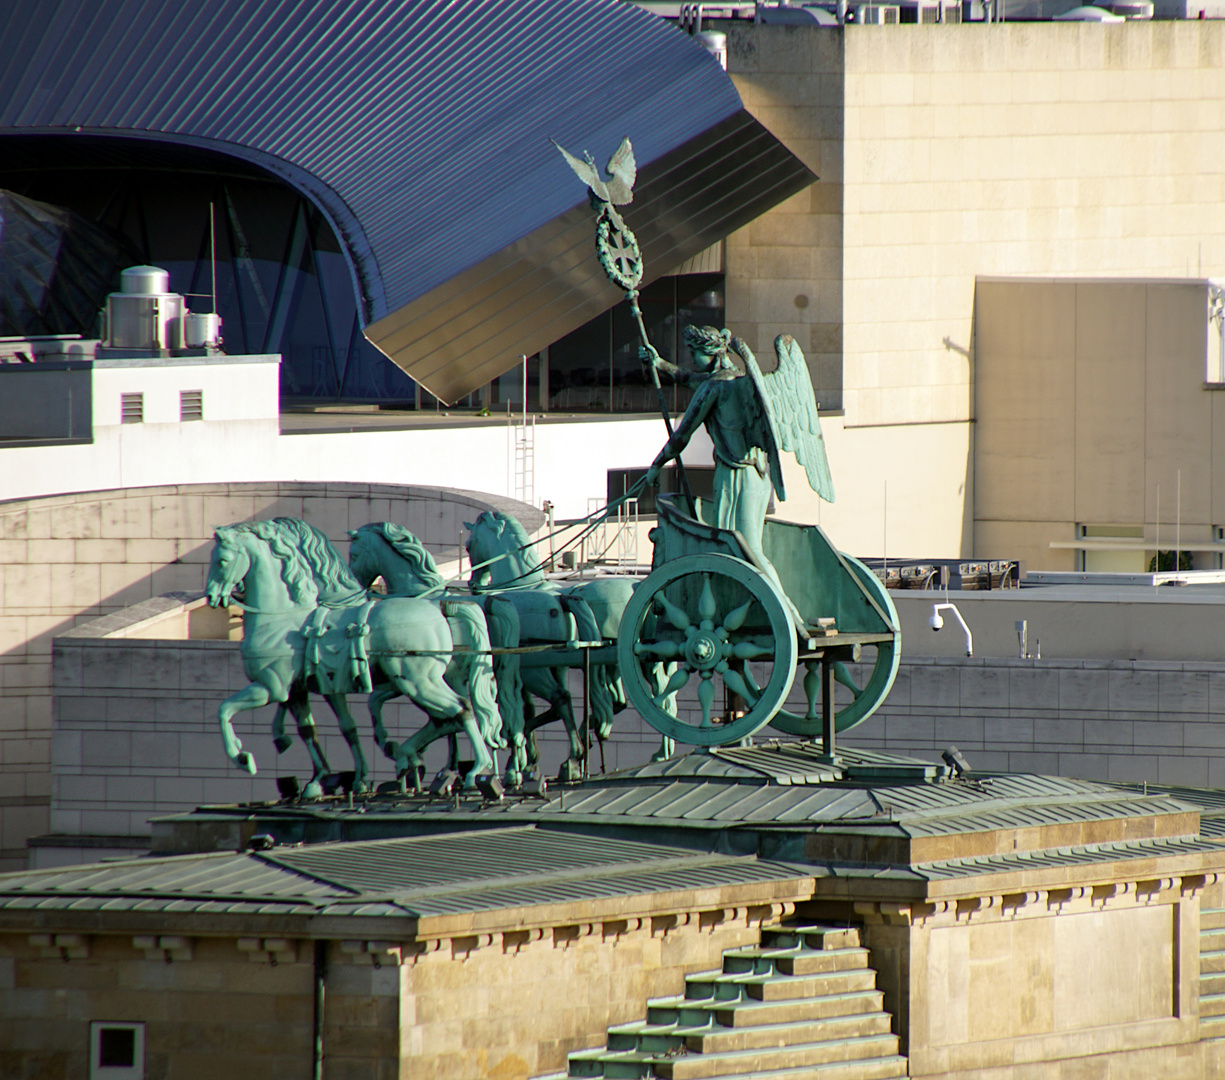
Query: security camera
{"points": [[937, 621]]}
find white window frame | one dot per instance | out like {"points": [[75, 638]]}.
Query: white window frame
{"points": [[98, 1071]]}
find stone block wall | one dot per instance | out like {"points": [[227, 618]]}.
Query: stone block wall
{"points": [[1130, 720], [69, 558]]}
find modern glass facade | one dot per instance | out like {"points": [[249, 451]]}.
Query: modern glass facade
{"points": [[235, 237]]}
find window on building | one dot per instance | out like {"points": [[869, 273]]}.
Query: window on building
{"points": [[1117, 549], [596, 368], [191, 405], [116, 1050], [132, 408]]}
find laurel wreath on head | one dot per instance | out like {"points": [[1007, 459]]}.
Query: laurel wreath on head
{"points": [[619, 252]]}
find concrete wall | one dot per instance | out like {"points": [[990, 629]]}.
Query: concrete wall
{"points": [[1157, 721], [1071, 623], [75, 557], [508, 1002], [1092, 409]]}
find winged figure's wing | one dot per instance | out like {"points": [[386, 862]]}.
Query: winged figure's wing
{"points": [[624, 171], [765, 423], [586, 172], [797, 425]]}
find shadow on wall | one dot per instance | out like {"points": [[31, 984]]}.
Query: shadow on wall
{"points": [[69, 558]]}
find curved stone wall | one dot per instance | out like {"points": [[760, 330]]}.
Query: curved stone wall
{"points": [[71, 557]]}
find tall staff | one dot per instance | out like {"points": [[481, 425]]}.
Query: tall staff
{"points": [[620, 255]]}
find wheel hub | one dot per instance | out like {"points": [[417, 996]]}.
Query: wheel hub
{"points": [[702, 651]]}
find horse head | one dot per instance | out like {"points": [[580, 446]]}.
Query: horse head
{"points": [[228, 566], [363, 557]]}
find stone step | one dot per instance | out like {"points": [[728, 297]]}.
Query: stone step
{"points": [[1212, 984], [1211, 1005], [814, 936], [1211, 937], [818, 962], [767, 1036], [876, 1069], [825, 1052], [1211, 918], [1211, 1028], [1211, 963], [787, 1011], [702, 1012], [785, 987]]}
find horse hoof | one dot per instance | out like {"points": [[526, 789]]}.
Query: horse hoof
{"points": [[246, 762], [282, 743], [571, 771], [512, 778], [313, 790], [362, 787]]}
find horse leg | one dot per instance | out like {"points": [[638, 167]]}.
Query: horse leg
{"points": [[280, 740], [253, 696], [561, 704], [299, 705], [375, 702], [449, 714], [348, 728], [660, 674]]}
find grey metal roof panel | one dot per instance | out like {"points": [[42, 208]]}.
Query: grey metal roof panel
{"points": [[425, 875], [419, 127]]}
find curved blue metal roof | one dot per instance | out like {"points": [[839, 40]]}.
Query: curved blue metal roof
{"points": [[419, 127]]}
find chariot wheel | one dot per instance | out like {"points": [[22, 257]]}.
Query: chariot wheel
{"points": [[883, 671], [714, 621]]}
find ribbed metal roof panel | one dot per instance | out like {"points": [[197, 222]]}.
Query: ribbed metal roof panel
{"points": [[419, 127], [424, 875]]}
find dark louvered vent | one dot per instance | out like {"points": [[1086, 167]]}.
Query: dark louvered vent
{"points": [[191, 405], [132, 408]]}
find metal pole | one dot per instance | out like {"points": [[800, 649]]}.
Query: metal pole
{"points": [[827, 705], [632, 296]]}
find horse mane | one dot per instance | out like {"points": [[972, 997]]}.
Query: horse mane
{"points": [[411, 549], [507, 535], [332, 578], [295, 571]]}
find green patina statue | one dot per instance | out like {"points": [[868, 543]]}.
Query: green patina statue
{"points": [[750, 418]]}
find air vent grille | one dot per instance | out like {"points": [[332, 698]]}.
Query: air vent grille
{"points": [[132, 408], [191, 405]]}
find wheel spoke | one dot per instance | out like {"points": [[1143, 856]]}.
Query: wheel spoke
{"points": [[737, 685], [750, 650], [675, 616], [661, 650], [706, 696], [735, 619], [706, 605], [677, 682]]}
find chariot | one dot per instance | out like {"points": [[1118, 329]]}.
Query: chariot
{"points": [[717, 614]]}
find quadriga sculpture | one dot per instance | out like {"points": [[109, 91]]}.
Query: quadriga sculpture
{"points": [[489, 675], [549, 612], [299, 638]]}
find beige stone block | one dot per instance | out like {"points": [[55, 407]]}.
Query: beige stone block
{"points": [[151, 551], [27, 586], [75, 520], [76, 588], [101, 551], [124, 517], [125, 583]]}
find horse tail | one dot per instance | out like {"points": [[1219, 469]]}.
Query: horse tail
{"points": [[503, 622], [600, 687], [482, 689]]}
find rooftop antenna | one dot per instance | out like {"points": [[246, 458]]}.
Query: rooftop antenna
{"points": [[1177, 520], [212, 250]]}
